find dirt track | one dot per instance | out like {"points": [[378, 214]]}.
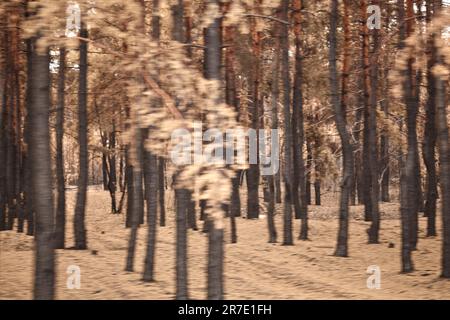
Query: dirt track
{"points": [[254, 269]]}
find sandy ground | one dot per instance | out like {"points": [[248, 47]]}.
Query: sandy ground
{"points": [[254, 269]]}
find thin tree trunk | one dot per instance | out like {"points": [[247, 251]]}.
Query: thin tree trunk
{"points": [[161, 193], [151, 194], [405, 210], [444, 158], [61, 193], [412, 159], [309, 163], [253, 172], [288, 172], [366, 180], [298, 124], [80, 206], [28, 190], [430, 134], [373, 145]]}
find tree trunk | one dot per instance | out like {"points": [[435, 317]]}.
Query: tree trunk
{"points": [[151, 194], [288, 172], [430, 134], [366, 180], [181, 244], [444, 158], [309, 160], [137, 206], [215, 230], [161, 193], [44, 274], [347, 168], [80, 207], [28, 190], [412, 159], [405, 209], [373, 145], [299, 183], [112, 176], [253, 172], [61, 193]]}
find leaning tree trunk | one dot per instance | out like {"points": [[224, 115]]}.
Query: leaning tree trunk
{"points": [[80, 207], [60, 222], [347, 169], [44, 274]]}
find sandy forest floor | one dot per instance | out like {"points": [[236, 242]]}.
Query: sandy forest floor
{"points": [[254, 269]]}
